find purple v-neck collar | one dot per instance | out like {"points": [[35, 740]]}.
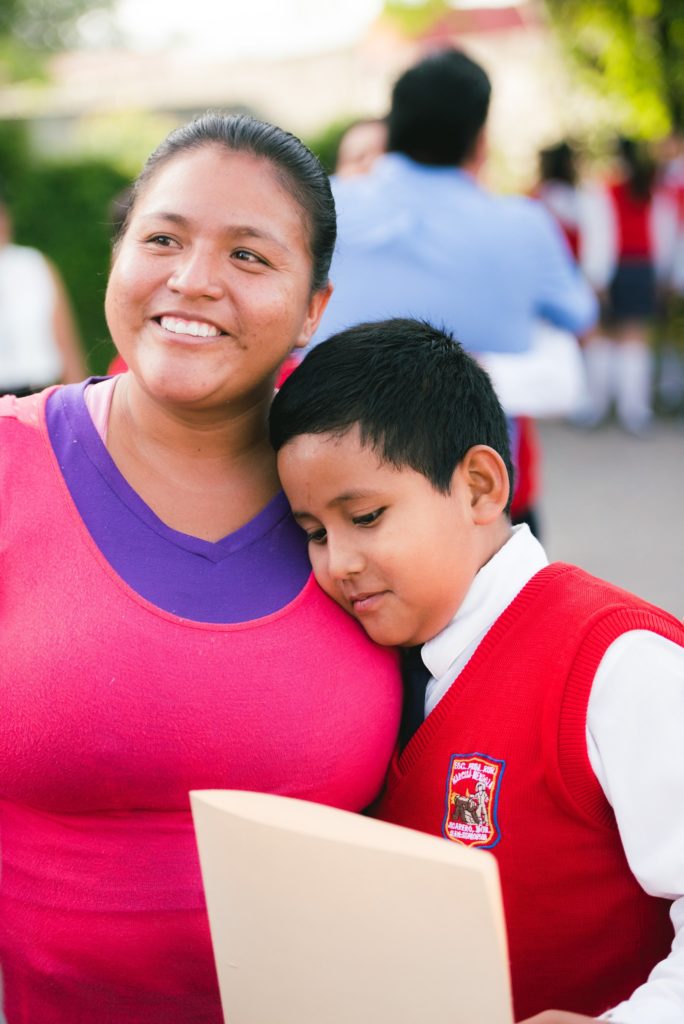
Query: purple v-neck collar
{"points": [[165, 565]]}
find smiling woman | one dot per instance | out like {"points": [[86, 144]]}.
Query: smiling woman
{"points": [[160, 629], [210, 290]]}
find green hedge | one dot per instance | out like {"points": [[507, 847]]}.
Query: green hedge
{"points": [[62, 208]]}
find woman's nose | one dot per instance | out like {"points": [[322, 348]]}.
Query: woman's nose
{"points": [[197, 274]]}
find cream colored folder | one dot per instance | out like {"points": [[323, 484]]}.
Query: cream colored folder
{"points": [[319, 916]]}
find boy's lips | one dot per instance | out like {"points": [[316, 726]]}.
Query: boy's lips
{"points": [[366, 601]]}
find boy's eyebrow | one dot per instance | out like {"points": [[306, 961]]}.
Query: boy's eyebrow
{"points": [[351, 496], [341, 499]]}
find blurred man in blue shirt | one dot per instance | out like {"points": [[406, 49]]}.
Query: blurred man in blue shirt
{"points": [[419, 237]]}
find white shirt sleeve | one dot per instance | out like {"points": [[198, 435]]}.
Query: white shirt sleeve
{"points": [[635, 732], [598, 236], [547, 380], [663, 225]]}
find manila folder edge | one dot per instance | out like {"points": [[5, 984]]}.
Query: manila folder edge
{"points": [[321, 916]]}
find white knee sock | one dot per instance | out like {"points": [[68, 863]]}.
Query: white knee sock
{"points": [[634, 382], [600, 355]]}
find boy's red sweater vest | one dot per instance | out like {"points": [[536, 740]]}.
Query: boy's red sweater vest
{"points": [[502, 763]]}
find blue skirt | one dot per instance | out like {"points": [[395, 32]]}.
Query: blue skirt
{"points": [[632, 292]]}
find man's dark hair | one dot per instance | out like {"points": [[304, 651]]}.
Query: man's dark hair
{"points": [[438, 109], [415, 394]]}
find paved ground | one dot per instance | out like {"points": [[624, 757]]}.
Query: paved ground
{"points": [[615, 506]]}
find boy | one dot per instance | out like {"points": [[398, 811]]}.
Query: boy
{"points": [[554, 700]]}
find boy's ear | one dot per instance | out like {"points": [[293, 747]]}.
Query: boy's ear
{"points": [[483, 472]]}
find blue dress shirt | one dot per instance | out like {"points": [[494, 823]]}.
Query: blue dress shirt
{"points": [[429, 242]]}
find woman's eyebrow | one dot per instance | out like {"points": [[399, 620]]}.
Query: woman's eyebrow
{"points": [[249, 231], [237, 230], [175, 218]]}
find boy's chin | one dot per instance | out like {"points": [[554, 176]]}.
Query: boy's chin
{"points": [[386, 636]]}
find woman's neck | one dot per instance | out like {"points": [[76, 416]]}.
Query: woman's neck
{"points": [[204, 472]]}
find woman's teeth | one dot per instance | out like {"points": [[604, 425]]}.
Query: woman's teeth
{"points": [[196, 328]]}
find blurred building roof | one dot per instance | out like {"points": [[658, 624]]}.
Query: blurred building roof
{"points": [[534, 101], [478, 20]]}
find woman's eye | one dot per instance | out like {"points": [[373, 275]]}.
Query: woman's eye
{"points": [[316, 536], [369, 518], [245, 256], [165, 241]]}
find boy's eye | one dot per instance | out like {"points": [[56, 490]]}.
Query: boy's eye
{"points": [[369, 518], [316, 536]]}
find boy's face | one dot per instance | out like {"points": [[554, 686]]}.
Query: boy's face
{"points": [[392, 550]]}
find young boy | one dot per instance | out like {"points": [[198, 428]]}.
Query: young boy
{"points": [[554, 707]]}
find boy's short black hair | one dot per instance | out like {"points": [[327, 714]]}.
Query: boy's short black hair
{"points": [[416, 395], [439, 108]]}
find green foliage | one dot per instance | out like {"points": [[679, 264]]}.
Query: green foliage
{"points": [[124, 138], [632, 51], [412, 17], [19, 62], [63, 210], [44, 25], [31, 29], [14, 153]]}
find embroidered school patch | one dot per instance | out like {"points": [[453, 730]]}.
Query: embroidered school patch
{"points": [[472, 798]]}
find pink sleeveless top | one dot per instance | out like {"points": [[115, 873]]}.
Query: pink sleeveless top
{"points": [[111, 710]]}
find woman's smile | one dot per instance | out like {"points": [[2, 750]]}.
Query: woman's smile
{"points": [[184, 328]]}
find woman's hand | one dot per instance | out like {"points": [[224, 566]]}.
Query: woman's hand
{"points": [[559, 1017]]}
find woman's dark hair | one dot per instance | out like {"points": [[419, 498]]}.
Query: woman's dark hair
{"points": [[417, 397], [640, 167], [438, 109], [298, 169], [558, 163]]}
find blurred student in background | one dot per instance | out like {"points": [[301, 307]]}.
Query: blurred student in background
{"points": [[670, 371], [633, 237], [39, 344], [360, 146]]}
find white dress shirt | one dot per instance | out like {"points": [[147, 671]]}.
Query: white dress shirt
{"points": [[635, 729]]}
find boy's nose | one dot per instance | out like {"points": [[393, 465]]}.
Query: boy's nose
{"points": [[344, 559]]}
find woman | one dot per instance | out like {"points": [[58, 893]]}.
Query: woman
{"points": [[160, 628]]}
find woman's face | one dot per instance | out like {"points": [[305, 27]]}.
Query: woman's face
{"points": [[210, 288]]}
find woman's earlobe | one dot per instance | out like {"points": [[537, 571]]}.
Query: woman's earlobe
{"points": [[317, 303]]}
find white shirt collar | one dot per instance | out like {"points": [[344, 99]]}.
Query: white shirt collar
{"points": [[499, 581]]}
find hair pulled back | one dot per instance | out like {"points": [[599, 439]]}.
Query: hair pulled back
{"points": [[298, 170]]}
